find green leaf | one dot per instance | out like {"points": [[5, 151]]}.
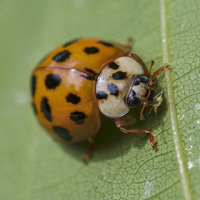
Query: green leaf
{"points": [[123, 166]]}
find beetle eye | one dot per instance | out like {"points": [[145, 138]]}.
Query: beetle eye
{"points": [[140, 79], [133, 101]]}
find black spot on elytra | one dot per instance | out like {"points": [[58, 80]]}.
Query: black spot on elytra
{"points": [[52, 81], [78, 117], [91, 50], [62, 133], [33, 85], [113, 89], [119, 75], [101, 95], [62, 56], [109, 44], [34, 108], [133, 101], [46, 109], [70, 42], [113, 65], [73, 98]]}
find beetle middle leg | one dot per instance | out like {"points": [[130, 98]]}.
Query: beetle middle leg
{"points": [[129, 43], [121, 124], [89, 151]]}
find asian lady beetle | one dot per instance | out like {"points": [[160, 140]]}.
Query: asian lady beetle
{"points": [[83, 76]]}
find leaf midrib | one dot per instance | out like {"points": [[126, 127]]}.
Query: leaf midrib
{"points": [[171, 104]]}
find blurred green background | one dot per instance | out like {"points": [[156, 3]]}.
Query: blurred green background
{"points": [[34, 167]]}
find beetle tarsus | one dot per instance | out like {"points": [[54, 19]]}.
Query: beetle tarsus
{"points": [[152, 140]]}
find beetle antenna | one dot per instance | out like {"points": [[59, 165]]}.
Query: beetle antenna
{"points": [[152, 64], [151, 82]]}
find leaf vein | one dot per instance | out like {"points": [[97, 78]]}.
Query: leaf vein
{"points": [[172, 109]]}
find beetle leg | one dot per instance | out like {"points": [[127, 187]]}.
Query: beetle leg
{"points": [[129, 43], [89, 151], [144, 104], [120, 123], [161, 69]]}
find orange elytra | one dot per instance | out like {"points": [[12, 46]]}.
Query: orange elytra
{"points": [[84, 77]]}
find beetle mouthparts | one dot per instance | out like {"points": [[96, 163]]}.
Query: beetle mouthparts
{"points": [[152, 95]]}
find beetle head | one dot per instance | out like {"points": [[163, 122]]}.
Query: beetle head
{"points": [[142, 93]]}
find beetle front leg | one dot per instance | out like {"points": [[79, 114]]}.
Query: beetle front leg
{"points": [[161, 69], [120, 123], [89, 151]]}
